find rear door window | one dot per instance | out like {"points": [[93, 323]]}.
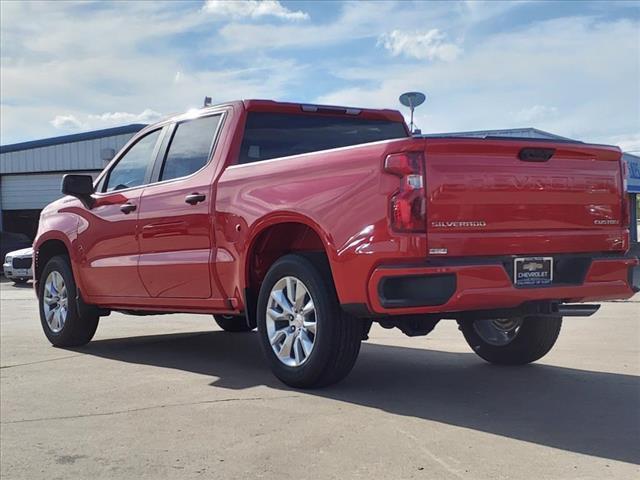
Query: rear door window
{"points": [[190, 147], [275, 135]]}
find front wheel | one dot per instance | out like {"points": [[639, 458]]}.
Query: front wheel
{"points": [[512, 341], [308, 340], [64, 321]]}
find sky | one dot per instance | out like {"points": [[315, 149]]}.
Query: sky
{"points": [[571, 68]]}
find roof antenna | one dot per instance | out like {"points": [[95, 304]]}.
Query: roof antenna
{"points": [[207, 102], [412, 100]]}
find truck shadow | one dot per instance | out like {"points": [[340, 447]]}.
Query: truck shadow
{"points": [[592, 413], [4, 279]]}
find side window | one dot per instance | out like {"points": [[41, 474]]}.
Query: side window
{"points": [[190, 147], [131, 169]]}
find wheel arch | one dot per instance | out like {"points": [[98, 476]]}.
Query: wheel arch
{"points": [[275, 236], [47, 248]]}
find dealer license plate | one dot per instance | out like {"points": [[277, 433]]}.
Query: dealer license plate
{"points": [[533, 271]]}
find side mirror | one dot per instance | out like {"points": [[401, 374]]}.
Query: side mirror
{"points": [[79, 186]]}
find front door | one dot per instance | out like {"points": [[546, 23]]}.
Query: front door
{"points": [[175, 216], [108, 236]]}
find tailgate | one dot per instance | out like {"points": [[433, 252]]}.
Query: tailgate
{"points": [[500, 197]]}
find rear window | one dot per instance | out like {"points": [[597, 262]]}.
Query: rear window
{"points": [[275, 135], [190, 147]]}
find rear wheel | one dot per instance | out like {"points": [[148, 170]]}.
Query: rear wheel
{"points": [[512, 341], [60, 311], [232, 323], [308, 340]]}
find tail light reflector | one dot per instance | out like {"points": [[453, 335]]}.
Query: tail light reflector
{"points": [[407, 206], [626, 198], [626, 211]]}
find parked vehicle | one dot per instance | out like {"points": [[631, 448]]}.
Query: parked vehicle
{"points": [[311, 222], [17, 265], [10, 241]]}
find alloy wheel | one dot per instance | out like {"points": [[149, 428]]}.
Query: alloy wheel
{"points": [[55, 301], [291, 321]]}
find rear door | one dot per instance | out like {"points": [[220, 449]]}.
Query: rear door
{"points": [[108, 237], [175, 215]]}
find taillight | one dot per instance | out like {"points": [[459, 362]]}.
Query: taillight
{"points": [[626, 198], [407, 205], [626, 210]]}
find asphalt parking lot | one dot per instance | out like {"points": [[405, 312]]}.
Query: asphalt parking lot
{"points": [[175, 397]]}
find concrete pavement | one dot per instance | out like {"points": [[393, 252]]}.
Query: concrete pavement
{"points": [[174, 397]]}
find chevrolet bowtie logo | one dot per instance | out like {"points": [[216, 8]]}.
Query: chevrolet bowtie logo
{"points": [[531, 266]]}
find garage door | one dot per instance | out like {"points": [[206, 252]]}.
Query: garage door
{"points": [[31, 192]]}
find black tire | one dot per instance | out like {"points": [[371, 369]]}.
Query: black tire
{"points": [[20, 281], [533, 340], [337, 343], [232, 323], [78, 329]]}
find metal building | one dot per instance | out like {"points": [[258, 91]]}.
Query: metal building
{"points": [[633, 187], [509, 132], [31, 172]]}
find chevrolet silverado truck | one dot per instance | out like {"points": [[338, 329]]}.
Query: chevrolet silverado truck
{"points": [[312, 222]]}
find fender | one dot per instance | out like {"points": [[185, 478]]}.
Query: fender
{"points": [[280, 217], [63, 228]]}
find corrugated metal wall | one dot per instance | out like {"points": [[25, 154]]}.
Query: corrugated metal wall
{"points": [[32, 192], [83, 155]]}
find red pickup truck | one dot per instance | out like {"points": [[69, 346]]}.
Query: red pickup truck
{"points": [[311, 222]]}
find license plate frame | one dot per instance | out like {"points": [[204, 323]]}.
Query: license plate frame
{"points": [[532, 271]]}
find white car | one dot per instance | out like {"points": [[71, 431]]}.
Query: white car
{"points": [[17, 265]]}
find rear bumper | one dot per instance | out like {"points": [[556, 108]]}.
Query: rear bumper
{"points": [[479, 284]]}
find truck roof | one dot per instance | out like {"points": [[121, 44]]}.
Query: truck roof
{"points": [[254, 105], [271, 106]]}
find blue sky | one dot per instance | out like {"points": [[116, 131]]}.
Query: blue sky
{"points": [[572, 68]]}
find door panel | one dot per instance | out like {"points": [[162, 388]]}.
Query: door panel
{"points": [[108, 239], [175, 243], [109, 243], [175, 220]]}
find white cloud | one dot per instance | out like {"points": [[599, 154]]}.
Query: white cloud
{"points": [[627, 143], [79, 121], [507, 72], [252, 9], [61, 59], [429, 45], [536, 113], [67, 122], [118, 118], [356, 21], [479, 10]]}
